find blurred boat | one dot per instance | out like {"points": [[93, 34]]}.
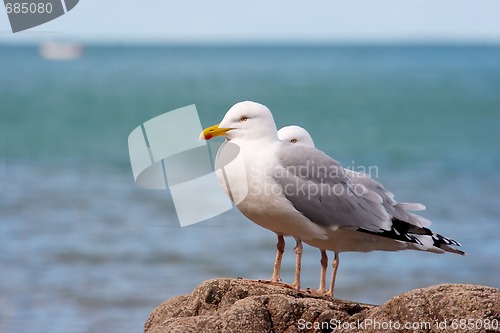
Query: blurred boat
{"points": [[59, 51]]}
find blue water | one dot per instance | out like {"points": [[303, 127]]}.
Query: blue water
{"points": [[82, 249]]}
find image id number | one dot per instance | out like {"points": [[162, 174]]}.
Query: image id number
{"points": [[28, 7]]}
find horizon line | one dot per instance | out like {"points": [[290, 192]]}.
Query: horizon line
{"points": [[253, 43]]}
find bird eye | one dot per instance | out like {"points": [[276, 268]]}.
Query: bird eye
{"points": [[293, 140], [244, 118]]}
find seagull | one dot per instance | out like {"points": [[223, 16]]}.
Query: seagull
{"points": [[299, 191], [300, 136]]}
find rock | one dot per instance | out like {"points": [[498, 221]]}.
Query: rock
{"points": [[239, 305], [442, 308]]}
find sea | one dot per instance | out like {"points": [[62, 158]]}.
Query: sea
{"points": [[84, 249]]}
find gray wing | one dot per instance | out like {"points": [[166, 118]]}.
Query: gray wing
{"points": [[332, 196], [319, 188], [396, 209]]}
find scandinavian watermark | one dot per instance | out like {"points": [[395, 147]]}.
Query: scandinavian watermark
{"points": [[165, 153], [310, 181]]}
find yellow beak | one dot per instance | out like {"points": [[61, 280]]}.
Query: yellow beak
{"points": [[213, 131]]}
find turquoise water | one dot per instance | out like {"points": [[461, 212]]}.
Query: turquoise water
{"points": [[82, 249]]}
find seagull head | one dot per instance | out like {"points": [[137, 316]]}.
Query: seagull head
{"points": [[296, 135], [245, 120]]}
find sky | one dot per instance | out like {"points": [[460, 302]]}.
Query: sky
{"points": [[230, 21]]}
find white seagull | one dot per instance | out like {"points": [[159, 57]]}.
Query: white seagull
{"points": [[298, 135], [299, 191]]}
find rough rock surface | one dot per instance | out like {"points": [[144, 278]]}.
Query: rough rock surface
{"points": [[238, 305]]}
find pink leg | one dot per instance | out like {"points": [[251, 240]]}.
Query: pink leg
{"points": [[280, 246], [335, 266], [322, 276], [298, 263]]}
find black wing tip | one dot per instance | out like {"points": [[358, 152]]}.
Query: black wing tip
{"points": [[451, 249], [447, 244], [408, 230], [403, 231]]}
